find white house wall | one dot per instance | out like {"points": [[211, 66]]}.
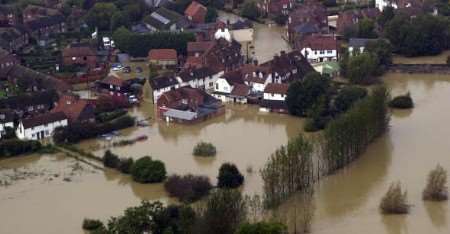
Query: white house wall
{"points": [[32, 133], [274, 96]]}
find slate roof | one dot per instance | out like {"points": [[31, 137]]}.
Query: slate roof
{"points": [[163, 18], [196, 73], [43, 119], [163, 82]]}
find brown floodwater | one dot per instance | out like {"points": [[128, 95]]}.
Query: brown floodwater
{"points": [[438, 59]]}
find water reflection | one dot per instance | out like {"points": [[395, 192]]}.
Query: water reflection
{"points": [[395, 224], [437, 211]]}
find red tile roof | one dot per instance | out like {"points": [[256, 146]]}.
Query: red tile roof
{"points": [[71, 106], [43, 119], [199, 46], [240, 90], [276, 88], [193, 62], [113, 80], [80, 51], [162, 54], [195, 8], [319, 42]]}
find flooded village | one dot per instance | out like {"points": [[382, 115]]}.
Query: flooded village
{"points": [[230, 87]]}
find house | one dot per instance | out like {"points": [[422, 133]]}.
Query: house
{"points": [[162, 84], [198, 48], [275, 8], [398, 4], [41, 28], [196, 12], [225, 55], [164, 19], [287, 67], [7, 60], [188, 105], [113, 85], [258, 80], [225, 84], [163, 58], [358, 45], [33, 12], [8, 15], [6, 121], [30, 103], [311, 12], [274, 98], [13, 39], [41, 126], [318, 48], [348, 20], [75, 108], [80, 54], [202, 78], [239, 93]]}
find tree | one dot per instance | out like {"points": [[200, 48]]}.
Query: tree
{"points": [[224, 211], [436, 189], [366, 28], [204, 149], [395, 200], [361, 68], [119, 19], [302, 95], [147, 170], [386, 15], [402, 102], [100, 15], [347, 96], [110, 160], [188, 188], [121, 38], [262, 228], [250, 10], [382, 49], [229, 176], [211, 15]]}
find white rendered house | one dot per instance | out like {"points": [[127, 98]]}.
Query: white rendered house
{"points": [[41, 126]]}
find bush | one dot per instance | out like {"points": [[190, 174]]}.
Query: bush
{"points": [[204, 149], [310, 126], [108, 116], [92, 224], [402, 102], [229, 176], [146, 170], [14, 147], [262, 228], [436, 189], [395, 201], [110, 160], [125, 165], [188, 188]]}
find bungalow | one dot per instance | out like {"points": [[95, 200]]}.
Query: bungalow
{"points": [[319, 48], [80, 54], [163, 84], [13, 39], [188, 105], [6, 121], [274, 98], [164, 19], [163, 58], [196, 12], [76, 109], [40, 127]]}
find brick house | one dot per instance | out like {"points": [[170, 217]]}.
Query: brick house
{"points": [[75, 108], [79, 54], [196, 12], [41, 28], [348, 20], [310, 12], [13, 39], [225, 55], [164, 58]]}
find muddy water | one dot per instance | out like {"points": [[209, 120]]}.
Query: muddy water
{"points": [[438, 59], [268, 40]]}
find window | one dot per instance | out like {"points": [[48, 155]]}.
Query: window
{"points": [[330, 51], [322, 52], [217, 86]]}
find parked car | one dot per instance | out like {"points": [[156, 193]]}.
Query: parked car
{"points": [[126, 69], [116, 67], [138, 69]]}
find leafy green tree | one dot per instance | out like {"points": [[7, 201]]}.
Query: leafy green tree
{"points": [[120, 19], [262, 228], [347, 96], [386, 15], [382, 49], [110, 160], [229, 176], [302, 95], [366, 28], [100, 15], [135, 12], [361, 68], [211, 15], [250, 10], [225, 210], [147, 170]]}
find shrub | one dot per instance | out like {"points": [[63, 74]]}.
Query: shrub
{"points": [[147, 170], [204, 149], [110, 160], [402, 102], [395, 201], [108, 116], [14, 147], [310, 126], [188, 188], [262, 227], [92, 224], [436, 189], [229, 176], [125, 165]]}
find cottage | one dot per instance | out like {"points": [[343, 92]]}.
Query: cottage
{"points": [[224, 85], [196, 12], [358, 45], [274, 98], [287, 67], [80, 54], [239, 93], [6, 121], [163, 84], [40, 127], [164, 58], [202, 78], [225, 55], [164, 19], [311, 12], [76, 109], [30, 103], [319, 48], [13, 39], [188, 105]]}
